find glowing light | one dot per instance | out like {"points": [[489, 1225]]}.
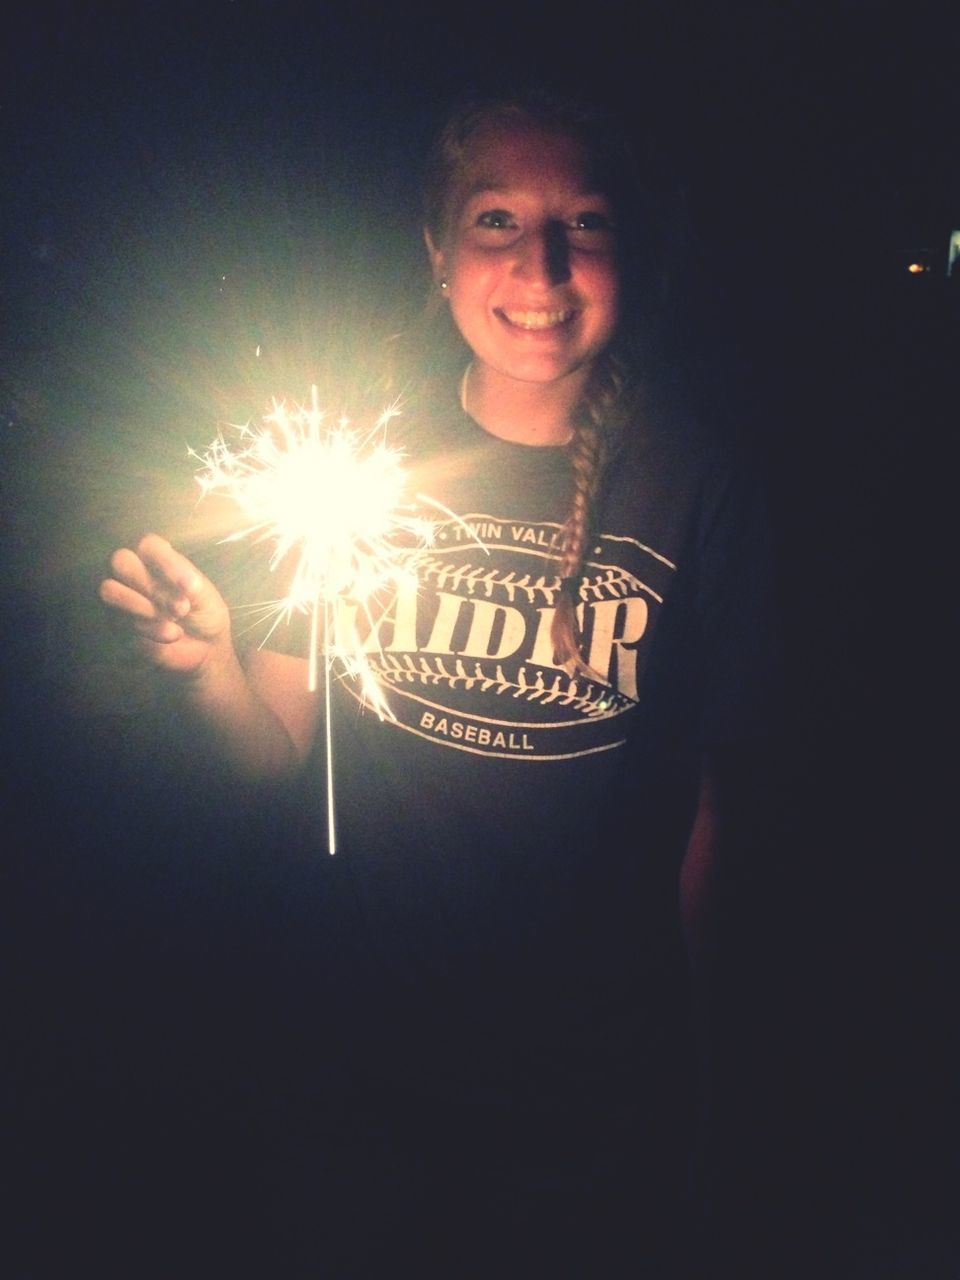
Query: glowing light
{"points": [[330, 499], [917, 268]]}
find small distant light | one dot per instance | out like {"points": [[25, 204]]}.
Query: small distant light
{"points": [[916, 268]]}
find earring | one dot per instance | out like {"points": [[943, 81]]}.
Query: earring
{"points": [[443, 283]]}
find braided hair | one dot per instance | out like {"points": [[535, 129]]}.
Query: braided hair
{"points": [[598, 424], [611, 394]]}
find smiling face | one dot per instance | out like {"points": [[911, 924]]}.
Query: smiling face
{"points": [[529, 257]]}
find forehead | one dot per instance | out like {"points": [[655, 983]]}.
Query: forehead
{"points": [[526, 157]]}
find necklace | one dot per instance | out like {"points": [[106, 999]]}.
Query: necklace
{"points": [[464, 384], [463, 387]]}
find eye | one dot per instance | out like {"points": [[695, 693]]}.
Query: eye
{"points": [[591, 220], [591, 231], [495, 220]]}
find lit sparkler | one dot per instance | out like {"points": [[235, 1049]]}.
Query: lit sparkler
{"points": [[330, 499]]}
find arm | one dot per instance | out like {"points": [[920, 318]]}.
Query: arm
{"points": [[262, 719], [698, 868], [735, 828], [257, 721]]}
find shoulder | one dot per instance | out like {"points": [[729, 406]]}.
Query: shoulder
{"points": [[672, 437], [667, 456], [696, 496], [430, 422]]}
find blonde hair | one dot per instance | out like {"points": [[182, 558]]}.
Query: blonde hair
{"points": [[600, 422], [603, 410]]}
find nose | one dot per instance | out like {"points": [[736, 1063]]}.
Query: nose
{"points": [[544, 256]]}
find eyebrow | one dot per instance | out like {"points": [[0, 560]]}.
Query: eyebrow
{"points": [[485, 186]]}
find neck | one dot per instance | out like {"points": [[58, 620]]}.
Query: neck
{"points": [[530, 413]]}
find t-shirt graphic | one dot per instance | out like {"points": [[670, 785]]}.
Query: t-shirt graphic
{"points": [[464, 655]]}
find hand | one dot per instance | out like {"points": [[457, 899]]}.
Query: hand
{"points": [[181, 621]]}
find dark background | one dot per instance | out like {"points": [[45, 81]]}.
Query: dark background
{"points": [[185, 184]]}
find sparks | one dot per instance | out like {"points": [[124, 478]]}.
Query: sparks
{"points": [[330, 499]]}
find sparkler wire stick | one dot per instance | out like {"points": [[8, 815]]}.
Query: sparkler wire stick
{"points": [[330, 500], [328, 730]]}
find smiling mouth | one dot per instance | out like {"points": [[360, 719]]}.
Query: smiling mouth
{"points": [[534, 320]]}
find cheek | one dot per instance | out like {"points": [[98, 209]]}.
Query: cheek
{"points": [[604, 291], [471, 286], [470, 274]]}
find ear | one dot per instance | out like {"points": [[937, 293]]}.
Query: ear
{"points": [[437, 264]]}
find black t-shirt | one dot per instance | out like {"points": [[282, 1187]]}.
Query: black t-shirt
{"points": [[509, 836]]}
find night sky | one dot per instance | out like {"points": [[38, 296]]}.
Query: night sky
{"points": [[184, 184]]}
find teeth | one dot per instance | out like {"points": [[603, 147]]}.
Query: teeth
{"points": [[537, 319]]}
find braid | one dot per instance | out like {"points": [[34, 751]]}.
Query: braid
{"points": [[596, 426], [604, 407]]}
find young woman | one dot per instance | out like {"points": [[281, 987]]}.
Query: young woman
{"points": [[526, 842]]}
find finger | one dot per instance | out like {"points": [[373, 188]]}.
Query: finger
{"points": [[165, 562], [197, 604], [132, 572], [159, 630], [129, 568], [125, 599]]}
